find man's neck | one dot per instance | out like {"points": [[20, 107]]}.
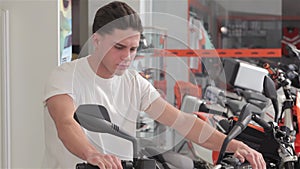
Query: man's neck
{"points": [[95, 64]]}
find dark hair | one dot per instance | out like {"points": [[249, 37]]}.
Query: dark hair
{"points": [[116, 15]]}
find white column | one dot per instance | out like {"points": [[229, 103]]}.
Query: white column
{"points": [[5, 91]]}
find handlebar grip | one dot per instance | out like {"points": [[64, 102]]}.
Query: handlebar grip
{"points": [[233, 162], [267, 127], [270, 70], [125, 165], [86, 166]]}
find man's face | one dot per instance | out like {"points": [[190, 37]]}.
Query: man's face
{"points": [[118, 50]]}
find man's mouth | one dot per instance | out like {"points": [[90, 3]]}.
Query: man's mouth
{"points": [[123, 66]]}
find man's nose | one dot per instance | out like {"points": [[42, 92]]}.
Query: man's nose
{"points": [[126, 55]]}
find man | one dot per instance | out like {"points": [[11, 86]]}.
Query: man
{"points": [[103, 78]]}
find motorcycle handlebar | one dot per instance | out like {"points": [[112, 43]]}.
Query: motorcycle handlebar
{"points": [[267, 127], [125, 165], [86, 166]]}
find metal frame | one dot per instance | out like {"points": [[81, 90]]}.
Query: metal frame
{"points": [[5, 94]]}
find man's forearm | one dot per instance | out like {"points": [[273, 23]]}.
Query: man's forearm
{"points": [[72, 135], [205, 135], [211, 138]]}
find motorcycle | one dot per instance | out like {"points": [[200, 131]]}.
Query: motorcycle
{"points": [[273, 141], [290, 112]]}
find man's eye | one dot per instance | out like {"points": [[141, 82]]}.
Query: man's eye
{"points": [[133, 49], [118, 47]]}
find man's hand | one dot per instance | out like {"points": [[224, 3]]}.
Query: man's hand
{"points": [[253, 157], [104, 161]]}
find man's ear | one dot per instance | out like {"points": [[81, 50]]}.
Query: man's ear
{"points": [[96, 39]]}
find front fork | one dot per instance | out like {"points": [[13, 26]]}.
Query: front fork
{"points": [[288, 118], [287, 155]]}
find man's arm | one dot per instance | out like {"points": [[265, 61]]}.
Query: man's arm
{"points": [[61, 109], [201, 132]]}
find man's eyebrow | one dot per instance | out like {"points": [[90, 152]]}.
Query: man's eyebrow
{"points": [[119, 44], [122, 45]]}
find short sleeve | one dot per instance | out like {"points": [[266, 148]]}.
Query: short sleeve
{"points": [[59, 82]]}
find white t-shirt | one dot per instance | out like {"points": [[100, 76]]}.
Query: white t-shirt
{"points": [[123, 96]]}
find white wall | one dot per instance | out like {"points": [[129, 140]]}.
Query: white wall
{"points": [[33, 54]]}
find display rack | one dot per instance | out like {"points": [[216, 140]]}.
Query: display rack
{"points": [[249, 31], [255, 53]]}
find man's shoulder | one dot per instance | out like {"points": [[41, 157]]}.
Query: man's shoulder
{"points": [[65, 70], [73, 63], [70, 66]]}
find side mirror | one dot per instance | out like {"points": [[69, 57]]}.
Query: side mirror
{"points": [[269, 90], [244, 118], [96, 118]]}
